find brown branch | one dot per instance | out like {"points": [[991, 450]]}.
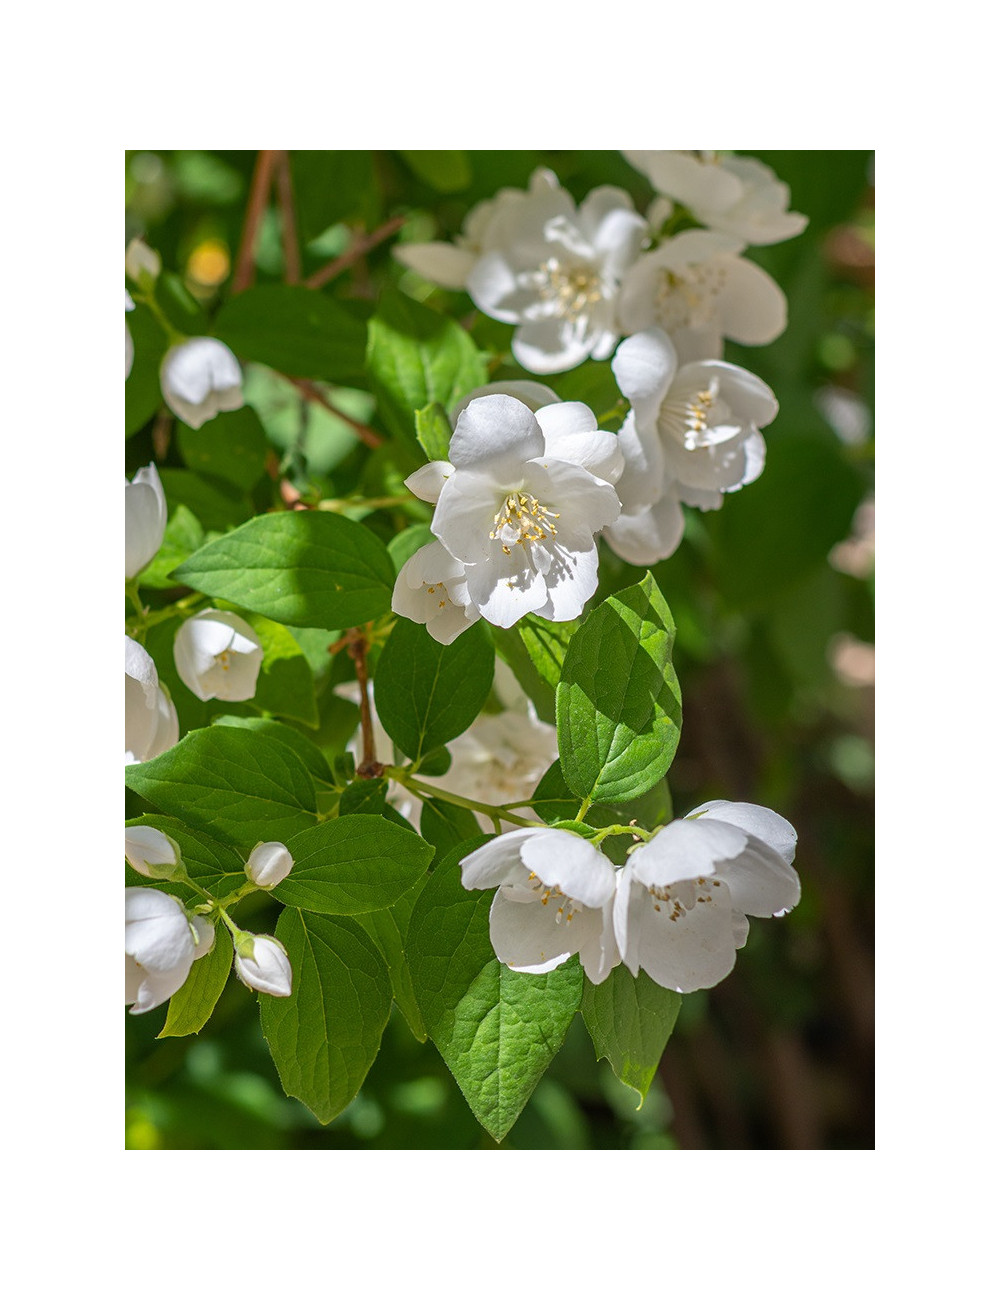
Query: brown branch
{"points": [[260, 186], [289, 235], [361, 245], [368, 436], [162, 426], [369, 765]]}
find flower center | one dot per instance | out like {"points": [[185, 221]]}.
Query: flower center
{"points": [[223, 660], [566, 907], [440, 590], [688, 298], [573, 291], [683, 896], [688, 415], [522, 520]]}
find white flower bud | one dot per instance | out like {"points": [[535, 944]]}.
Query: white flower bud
{"points": [[200, 378], [141, 261], [269, 864], [129, 345], [151, 852], [218, 656], [262, 964], [145, 519], [151, 724], [161, 942]]}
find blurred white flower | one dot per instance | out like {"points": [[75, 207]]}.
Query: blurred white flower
{"points": [[150, 852], [518, 505], [683, 898], [693, 434], [268, 864], [151, 724], [199, 378], [145, 519], [161, 942], [555, 895], [728, 192], [262, 963], [142, 263], [218, 656], [697, 288]]}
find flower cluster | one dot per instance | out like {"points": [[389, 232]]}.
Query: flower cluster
{"points": [[163, 938], [574, 279], [677, 910]]}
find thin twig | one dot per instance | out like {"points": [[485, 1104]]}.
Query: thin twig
{"points": [[368, 436], [362, 244], [289, 234], [260, 186], [162, 426], [369, 765]]}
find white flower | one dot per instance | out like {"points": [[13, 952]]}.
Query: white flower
{"points": [[483, 229], [129, 345], [683, 898], [698, 288], [145, 519], [151, 724], [161, 942], [431, 588], [148, 850], [200, 378], [555, 894], [142, 263], [218, 656], [262, 964], [554, 270], [518, 505], [693, 434], [738, 195], [268, 864]]}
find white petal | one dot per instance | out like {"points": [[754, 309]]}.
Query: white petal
{"points": [[753, 308], [651, 535], [766, 825], [527, 935], [528, 391], [644, 366], [493, 429], [549, 346], [686, 850], [496, 862], [438, 262], [571, 434], [571, 864], [427, 481]]}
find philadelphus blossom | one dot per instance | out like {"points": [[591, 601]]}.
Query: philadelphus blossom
{"points": [[145, 519], [555, 894], [683, 899], [693, 434], [151, 724], [200, 378], [129, 345], [150, 852], [142, 263], [741, 196], [268, 864], [218, 656], [517, 506], [161, 942], [261, 962], [554, 270], [697, 288]]}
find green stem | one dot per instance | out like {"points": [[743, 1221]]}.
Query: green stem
{"points": [[173, 334], [340, 505], [584, 809], [632, 831], [495, 812]]}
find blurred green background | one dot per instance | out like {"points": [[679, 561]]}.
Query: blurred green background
{"points": [[773, 597]]}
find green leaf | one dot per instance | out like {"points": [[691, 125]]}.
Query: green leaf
{"points": [[193, 1003], [181, 538], [434, 431], [301, 567], [333, 185], [408, 542], [388, 928], [512, 651], [447, 170], [285, 685], [312, 756], [416, 357], [298, 331], [546, 643], [232, 446], [630, 1021], [427, 693], [238, 784], [325, 1036], [216, 506], [179, 305], [618, 705], [445, 825], [496, 1029], [142, 387], [352, 864]]}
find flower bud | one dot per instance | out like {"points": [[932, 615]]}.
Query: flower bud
{"points": [[142, 263], [200, 378], [151, 852], [151, 724], [218, 656], [145, 519], [161, 942], [262, 964], [268, 864]]}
